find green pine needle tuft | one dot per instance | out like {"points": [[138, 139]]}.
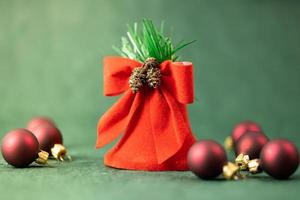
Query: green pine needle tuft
{"points": [[149, 42]]}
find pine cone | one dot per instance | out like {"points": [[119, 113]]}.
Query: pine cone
{"points": [[153, 77], [136, 79], [149, 74], [151, 63]]}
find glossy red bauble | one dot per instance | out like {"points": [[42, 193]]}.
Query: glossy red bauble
{"points": [[279, 158], [48, 136], [19, 147], [242, 128], [38, 121], [206, 159], [251, 144]]}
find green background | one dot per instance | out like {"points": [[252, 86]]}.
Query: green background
{"points": [[247, 66]]}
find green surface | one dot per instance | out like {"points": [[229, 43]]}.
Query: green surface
{"points": [[247, 66]]}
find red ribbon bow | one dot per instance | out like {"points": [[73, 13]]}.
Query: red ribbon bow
{"points": [[160, 111]]}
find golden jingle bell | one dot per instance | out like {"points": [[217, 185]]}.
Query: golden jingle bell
{"points": [[254, 166], [231, 171], [59, 152], [228, 143], [242, 161], [42, 157]]}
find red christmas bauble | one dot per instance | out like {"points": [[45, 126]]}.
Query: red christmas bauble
{"points": [[206, 159], [48, 136], [251, 144], [38, 121], [242, 128], [279, 158], [19, 147]]}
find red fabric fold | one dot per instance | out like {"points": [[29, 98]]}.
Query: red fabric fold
{"points": [[114, 121], [116, 72], [157, 134], [178, 79]]}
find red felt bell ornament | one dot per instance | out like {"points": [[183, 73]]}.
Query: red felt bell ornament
{"points": [[251, 144], [20, 148], [206, 159], [279, 158], [38, 121], [151, 114]]}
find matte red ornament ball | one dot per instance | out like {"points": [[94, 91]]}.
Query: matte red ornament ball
{"points": [[206, 159], [19, 147], [251, 144], [242, 128], [47, 136], [38, 121], [279, 158]]}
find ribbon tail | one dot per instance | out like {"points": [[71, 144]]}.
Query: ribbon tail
{"points": [[114, 121], [168, 123], [132, 119]]}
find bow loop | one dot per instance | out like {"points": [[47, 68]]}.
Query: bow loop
{"points": [[177, 78], [116, 72]]}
